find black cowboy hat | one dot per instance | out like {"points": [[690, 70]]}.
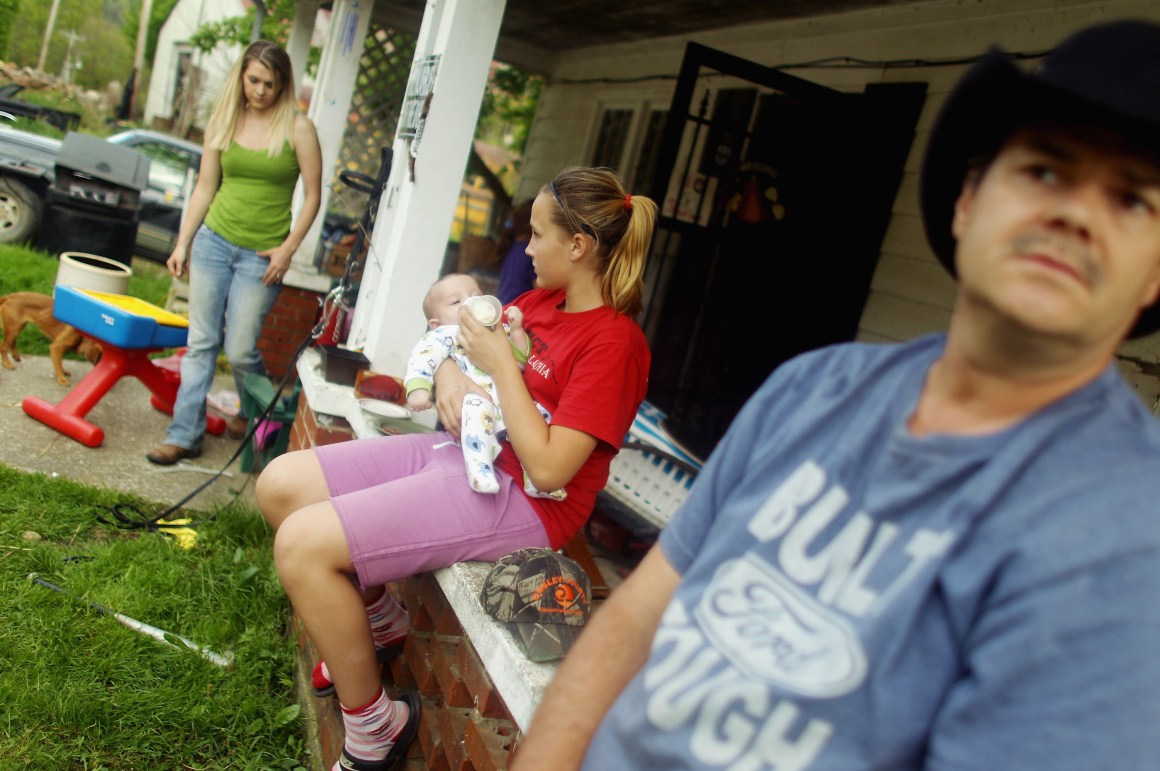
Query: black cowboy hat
{"points": [[1107, 75]]}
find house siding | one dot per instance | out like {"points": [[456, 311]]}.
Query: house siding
{"points": [[910, 294], [184, 20]]}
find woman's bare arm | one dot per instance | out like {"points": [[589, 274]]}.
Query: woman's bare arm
{"points": [[451, 385], [209, 176], [550, 455], [309, 156]]}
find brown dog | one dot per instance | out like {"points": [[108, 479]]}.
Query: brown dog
{"points": [[21, 308]]}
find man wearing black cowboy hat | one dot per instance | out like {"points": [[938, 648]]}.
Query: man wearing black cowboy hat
{"points": [[942, 554]]}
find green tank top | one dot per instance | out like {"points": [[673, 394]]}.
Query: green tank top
{"points": [[252, 206]]}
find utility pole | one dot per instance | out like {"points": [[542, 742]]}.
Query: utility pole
{"points": [[47, 35], [139, 56], [73, 38]]}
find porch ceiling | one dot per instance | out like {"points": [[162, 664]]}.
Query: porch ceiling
{"points": [[546, 26]]}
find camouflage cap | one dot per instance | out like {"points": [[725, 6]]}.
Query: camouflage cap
{"points": [[542, 596]]}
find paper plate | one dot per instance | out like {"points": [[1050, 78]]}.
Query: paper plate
{"points": [[384, 409]]}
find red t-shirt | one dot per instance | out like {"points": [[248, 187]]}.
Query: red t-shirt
{"points": [[590, 371]]}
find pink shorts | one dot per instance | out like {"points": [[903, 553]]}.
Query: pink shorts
{"points": [[406, 507]]}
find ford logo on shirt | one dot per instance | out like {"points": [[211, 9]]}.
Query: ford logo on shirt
{"points": [[769, 628]]}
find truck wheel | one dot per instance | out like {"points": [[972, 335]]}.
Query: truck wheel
{"points": [[20, 210]]}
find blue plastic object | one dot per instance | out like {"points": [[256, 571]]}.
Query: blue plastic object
{"points": [[120, 320]]}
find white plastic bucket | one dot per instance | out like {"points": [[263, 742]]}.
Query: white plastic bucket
{"points": [[92, 271]]}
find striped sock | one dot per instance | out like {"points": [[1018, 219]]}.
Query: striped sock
{"points": [[371, 730], [389, 622]]}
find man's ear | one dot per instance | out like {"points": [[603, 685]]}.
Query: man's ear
{"points": [[1151, 288], [963, 204]]}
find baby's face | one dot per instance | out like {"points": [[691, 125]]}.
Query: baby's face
{"points": [[448, 295]]}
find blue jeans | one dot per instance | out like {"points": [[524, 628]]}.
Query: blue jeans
{"points": [[225, 290]]}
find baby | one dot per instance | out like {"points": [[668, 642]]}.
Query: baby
{"points": [[481, 422]]}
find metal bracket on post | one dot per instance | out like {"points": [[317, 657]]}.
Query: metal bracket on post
{"points": [[416, 105]]}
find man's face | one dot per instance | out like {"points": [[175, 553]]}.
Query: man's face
{"points": [[1060, 236]]}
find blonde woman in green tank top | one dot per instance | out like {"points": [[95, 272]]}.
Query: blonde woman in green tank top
{"points": [[238, 234]]}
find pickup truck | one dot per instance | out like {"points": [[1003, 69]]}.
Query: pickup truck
{"points": [[27, 168]]}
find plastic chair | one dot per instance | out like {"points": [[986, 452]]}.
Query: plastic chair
{"points": [[271, 436]]}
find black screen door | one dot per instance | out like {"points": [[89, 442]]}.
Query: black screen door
{"points": [[776, 194]]}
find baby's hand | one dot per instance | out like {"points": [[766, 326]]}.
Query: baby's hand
{"points": [[515, 317], [419, 399]]}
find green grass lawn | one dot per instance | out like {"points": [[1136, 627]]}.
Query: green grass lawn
{"points": [[80, 691], [27, 270]]}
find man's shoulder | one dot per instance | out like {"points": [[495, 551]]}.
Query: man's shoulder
{"points": [[869, 352], [1123, 428], [857, 364], [861, 381], [1101, 459]]}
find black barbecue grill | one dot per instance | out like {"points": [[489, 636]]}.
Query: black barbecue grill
{"points": [[94, 201]]}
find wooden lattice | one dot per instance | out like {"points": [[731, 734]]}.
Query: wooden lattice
{"points": [[374, 111]]}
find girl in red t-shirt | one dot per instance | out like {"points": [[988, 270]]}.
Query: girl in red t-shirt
{"points": [[353, 516]]}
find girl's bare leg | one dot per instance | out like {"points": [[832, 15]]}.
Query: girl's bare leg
{"points": [[312, 557]]}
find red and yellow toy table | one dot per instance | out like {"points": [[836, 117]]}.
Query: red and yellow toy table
{"points": [[128, 329]]}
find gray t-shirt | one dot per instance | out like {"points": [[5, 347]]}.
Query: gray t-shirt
{"points": [[855, 597]]}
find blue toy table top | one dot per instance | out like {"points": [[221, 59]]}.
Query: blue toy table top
{"points": [[119, 320]]}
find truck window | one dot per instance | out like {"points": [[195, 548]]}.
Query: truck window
{"points": [[167, 167]]}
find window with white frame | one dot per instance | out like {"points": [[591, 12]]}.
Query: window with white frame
{"points": [[612, 134], [626, 138], [649, 149]]}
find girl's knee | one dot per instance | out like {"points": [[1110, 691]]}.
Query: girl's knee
{"points": [[286, 542], [290, 482], [291, 557], [277, 487], [309, 545]]}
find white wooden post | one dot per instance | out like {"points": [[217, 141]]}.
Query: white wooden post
{"points": [[298, 41], [414, 217], [329, 107]]}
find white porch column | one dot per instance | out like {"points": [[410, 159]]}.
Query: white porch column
{"points": [[414, 217], [298, 41], [329, 108]]}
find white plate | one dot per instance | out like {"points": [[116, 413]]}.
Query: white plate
{"points": [[384, 409]]}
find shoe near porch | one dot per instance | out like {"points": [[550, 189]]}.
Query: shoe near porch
{"points": [[782, 141]]}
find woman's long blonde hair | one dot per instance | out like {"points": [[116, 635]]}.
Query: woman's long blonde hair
{"points": [[593, 201], [231, 102]]}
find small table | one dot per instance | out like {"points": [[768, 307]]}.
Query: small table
{"points": [[128, 330]]}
